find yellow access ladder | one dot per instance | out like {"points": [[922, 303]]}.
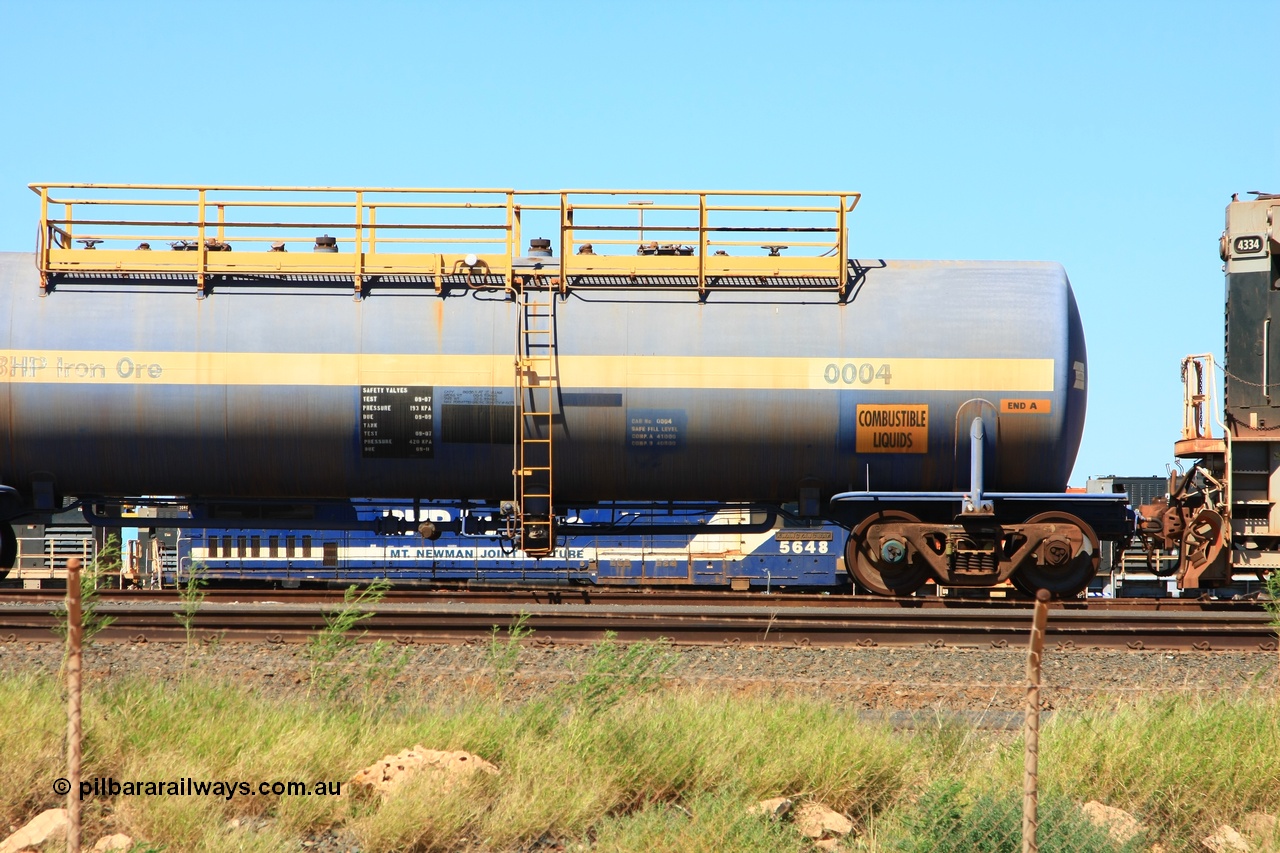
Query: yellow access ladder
{"points": [[535, 392]]}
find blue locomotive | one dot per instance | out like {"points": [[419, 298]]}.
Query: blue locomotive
{"points": [[730, 552]]}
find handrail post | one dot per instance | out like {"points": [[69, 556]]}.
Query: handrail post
{"points": [[566, 237], [515, 239], [202, 254], [702, 244], [69, 223], [842, 246], [359, 244], [373, 229], [45, 240], [510, 221], [222, 222], [44, 226]]}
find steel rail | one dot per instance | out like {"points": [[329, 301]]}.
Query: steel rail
{"points": [[684, 624], [533, 592]]}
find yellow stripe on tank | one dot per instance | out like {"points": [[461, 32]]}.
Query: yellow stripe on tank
{"points": [[94, 367]]}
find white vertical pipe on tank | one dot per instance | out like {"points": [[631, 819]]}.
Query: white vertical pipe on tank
{"points": [[974, 500], [976, 436]]}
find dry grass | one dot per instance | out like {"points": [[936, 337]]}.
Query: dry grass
{"points": [[652, 770], [33, 726], [1178, 764]]}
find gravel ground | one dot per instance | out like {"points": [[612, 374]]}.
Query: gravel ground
{"points": [[884, 680]]}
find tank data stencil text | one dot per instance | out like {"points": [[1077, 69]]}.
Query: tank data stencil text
{"points": [[850, 373], [397, 421]]}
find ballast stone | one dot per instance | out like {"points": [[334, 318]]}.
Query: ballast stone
{"points": [[46, 826], [448, 768], [812, 820], [818, 821], [1226, 839], [777, 808], [1262, 829], [1119, 824]]}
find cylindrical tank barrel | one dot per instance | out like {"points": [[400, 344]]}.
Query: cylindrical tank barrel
{"points": [[288, 390]]}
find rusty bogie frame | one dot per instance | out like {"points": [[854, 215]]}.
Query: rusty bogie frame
{"points": [[892, 553]]}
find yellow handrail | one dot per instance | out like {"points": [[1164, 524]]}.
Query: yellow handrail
{"points": [[478, 219]]}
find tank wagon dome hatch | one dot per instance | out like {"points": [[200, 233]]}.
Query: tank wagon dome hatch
{"points": [[263, 346]]}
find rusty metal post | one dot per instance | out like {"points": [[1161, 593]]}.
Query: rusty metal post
{"points": [[202, 257], [359, 241], [1031, 727], [75, 637]]}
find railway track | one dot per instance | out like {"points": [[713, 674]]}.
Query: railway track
{"points": [[561, 594], [450, 617]]}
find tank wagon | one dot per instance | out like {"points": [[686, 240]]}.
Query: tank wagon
{"points": [[258, 351], [1222, 514]]}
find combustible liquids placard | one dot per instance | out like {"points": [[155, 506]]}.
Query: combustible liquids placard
{"points": [[893, 429], [397, 422]]}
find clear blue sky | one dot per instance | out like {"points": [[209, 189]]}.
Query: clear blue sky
{"points": [[1106, 136]]}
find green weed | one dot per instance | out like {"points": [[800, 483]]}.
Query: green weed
{"points": [[503, 655], [190, 597], [334, 665], [615, 672], [1272, 603], [951, 816], [92, 622]]}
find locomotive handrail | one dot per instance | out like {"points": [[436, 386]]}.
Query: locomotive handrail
{"points": [[205, 223]]}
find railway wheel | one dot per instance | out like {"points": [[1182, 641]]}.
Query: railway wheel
{"points": [[883, 563], [1065, 574]]}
